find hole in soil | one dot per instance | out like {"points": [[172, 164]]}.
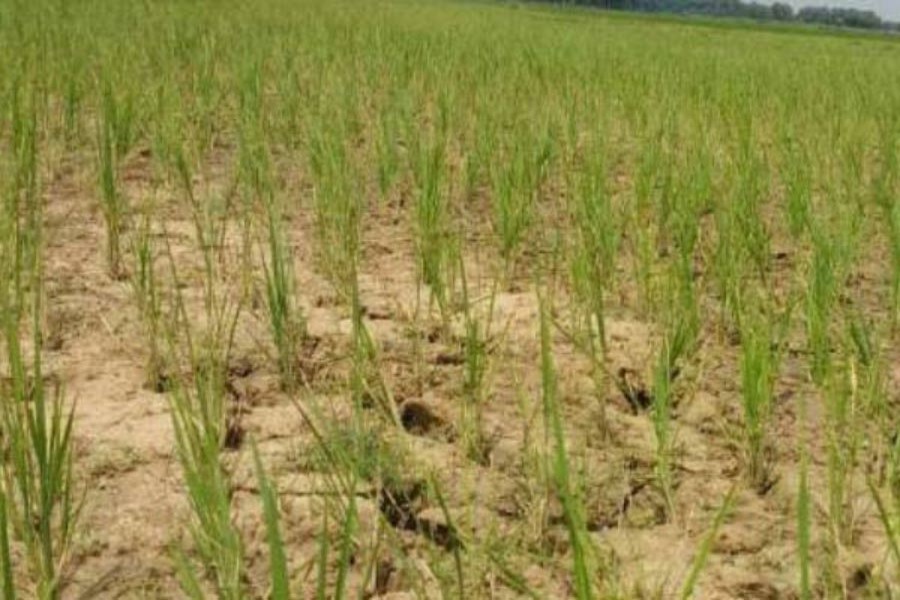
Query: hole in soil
{"points": [[401, 506], [448, 359], [159, 382], [419, 419], [234, 433], [633, 390]]}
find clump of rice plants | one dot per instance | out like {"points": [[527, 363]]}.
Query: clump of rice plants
{"points": [[114, 139], [148, 298], [39, 506], [759, 369]]}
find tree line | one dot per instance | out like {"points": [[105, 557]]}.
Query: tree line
{"points": [[779, 11]]}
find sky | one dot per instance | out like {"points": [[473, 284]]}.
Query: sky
{"points": [[887, 9]]}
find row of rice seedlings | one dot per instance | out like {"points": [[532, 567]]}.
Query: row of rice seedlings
{"points": [[198, 400], [286, 322], [39, 506]]}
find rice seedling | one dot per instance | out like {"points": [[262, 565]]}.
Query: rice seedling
{"points": [[820, 300], [706, 546], [148, 298], [516, 187], [596, 222], [797, 180], [337, 207], [759, 369], [842, 450], [37, 472], [573, 510], [475, 371], [433, 234], [114, 139], [662, 419], [278, 568], [286, 323]]}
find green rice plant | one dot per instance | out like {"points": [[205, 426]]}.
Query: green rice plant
{"points": [[573, 509], [597, 225], [706, 546], [114, 139], [388, 159], [197, 403], [662, 420], [641, 225], [886, 197], [113, 203], [336, 205], [751, 191], [516, 188], [893, 221], [199, 433], [22, 206], [476, 357], [843, 443], [286, 322], [366, 381], [798, 183], [759, 369], [148, 298], [278, 568], [687, 201], [198, 409], [6, 569], [887, 517], [36, 473], [434, 238], [820, 297], [728, 265], [197, 395]]}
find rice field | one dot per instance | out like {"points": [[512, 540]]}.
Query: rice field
{"points": [[441, 299]]}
